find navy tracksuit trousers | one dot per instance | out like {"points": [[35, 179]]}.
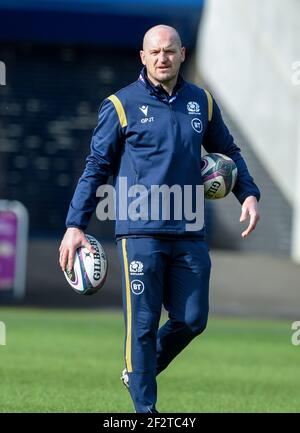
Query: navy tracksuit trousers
{"points": [[155, 273]]}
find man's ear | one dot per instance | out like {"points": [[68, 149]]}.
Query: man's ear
{"points": [[183, 52], [142, 54]]}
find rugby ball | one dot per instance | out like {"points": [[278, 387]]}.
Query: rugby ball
{"points": [[89, 271], [219, 174]]}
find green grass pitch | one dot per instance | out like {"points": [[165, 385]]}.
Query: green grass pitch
{"points": [[70, 361]]}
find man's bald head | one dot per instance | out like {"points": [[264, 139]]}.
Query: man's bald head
{"points": [[161, 31], [162, 54]]}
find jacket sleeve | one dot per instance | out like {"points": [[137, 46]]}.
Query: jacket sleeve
{"points": [[218, 139], [102, 162]]}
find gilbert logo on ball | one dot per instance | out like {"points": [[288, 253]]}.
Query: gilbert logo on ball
{"points": [[89, 271], [219, 175]]}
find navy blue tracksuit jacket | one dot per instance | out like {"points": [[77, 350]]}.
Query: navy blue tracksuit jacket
{"points": [[152, 138], [157, 144]]}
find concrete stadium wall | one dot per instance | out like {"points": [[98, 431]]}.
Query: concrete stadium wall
{"points": [[248, 53]]}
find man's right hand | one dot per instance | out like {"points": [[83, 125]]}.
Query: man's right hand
{"points": [[73, 239]]}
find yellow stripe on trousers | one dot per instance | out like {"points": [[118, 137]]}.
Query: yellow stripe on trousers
{"points": [[128, 308]]}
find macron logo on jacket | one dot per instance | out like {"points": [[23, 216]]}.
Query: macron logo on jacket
{"points": [[144, 109]]}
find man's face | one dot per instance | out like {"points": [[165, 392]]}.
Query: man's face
{"points": [[162, 55]]}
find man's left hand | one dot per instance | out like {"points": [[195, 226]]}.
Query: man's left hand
{"points": [[249, 209]]}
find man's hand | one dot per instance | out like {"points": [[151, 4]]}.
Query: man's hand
{"points": [[249, 209], [73, 239]]}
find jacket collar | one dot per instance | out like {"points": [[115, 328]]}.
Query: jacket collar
{"points": [[158, 91]]}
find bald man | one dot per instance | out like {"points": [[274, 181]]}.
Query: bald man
{"points": [[149, 136]]}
